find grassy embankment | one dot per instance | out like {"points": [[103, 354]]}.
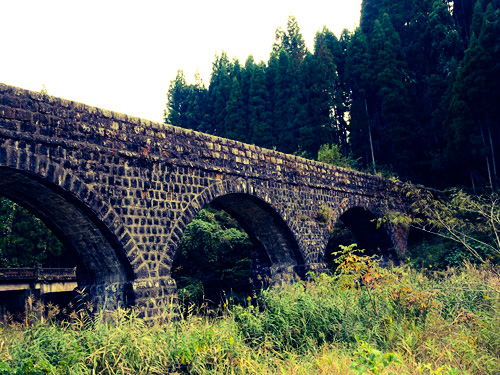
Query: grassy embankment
{"points": [[361, 320]]}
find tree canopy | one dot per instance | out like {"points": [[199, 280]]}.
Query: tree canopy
{"points": [[413, 89], [25, 241]]}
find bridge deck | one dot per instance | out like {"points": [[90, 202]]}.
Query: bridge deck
{"points": [[47, 280]]}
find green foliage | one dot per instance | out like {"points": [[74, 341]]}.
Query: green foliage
{"points": [[340, 235], [472, 133], [291, 41], [363, 303], [376, 67], [187, 105], [25, 240], [235, 121], [473, 222], [369, 359], [294, 102], [213, 257], [429, 252], [330, 154], [259, 109]]}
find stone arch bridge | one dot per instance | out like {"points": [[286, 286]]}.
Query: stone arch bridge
{"points": [[118, 191]]}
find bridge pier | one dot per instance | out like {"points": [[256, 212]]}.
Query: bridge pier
{"points": [[399, 236], [156, 298]]}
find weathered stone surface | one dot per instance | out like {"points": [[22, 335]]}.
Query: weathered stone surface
{"points": [[119, 192]]}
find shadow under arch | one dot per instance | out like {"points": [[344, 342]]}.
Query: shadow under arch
{"points": [[276, 252], [277, 248], [101, 263], [361, 223]]}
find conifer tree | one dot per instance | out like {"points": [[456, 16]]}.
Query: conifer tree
{"points": [[370, 10], [245, 82], [178, 99], [381, 115], [434, 72], [359, 75], [272, 91], [473, 125], [259, 109], [317, 125], [462, 13], [400, 91], [391, 111], [284, 104], [236, 126], [343, 102], [187, 105], [218, 93], [198, 118], [292, 41], [327, 99], [290, 99]]}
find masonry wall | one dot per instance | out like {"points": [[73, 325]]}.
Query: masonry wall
{"points": [[132, 186]]}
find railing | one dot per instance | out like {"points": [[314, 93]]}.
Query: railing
{"points": [[39, 274]]}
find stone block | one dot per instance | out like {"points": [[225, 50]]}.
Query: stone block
{"points": [[7, 112], [23, 115]]}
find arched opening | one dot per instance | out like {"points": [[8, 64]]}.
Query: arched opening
{"points": [[262, 248], [358, 225], [213, 260], [266, 229], [96, 251]]}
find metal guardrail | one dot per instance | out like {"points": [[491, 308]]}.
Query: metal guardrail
{"points": [[38, 274]]}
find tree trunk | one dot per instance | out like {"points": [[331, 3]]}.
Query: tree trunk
{"points": [[472, 180], [493, 155], [370, 137]]}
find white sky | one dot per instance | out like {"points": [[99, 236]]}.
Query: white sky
{"points": [[122, 55]]}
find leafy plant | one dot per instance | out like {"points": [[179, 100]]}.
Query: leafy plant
{"points": [[330, 154], [213, 259], [469, 220], [367, 358]]}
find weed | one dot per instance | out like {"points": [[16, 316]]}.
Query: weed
{"points": [[369, 359]]}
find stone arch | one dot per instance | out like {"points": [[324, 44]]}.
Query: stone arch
{"points": [[279, 253], [86, 225], [360, 221]]}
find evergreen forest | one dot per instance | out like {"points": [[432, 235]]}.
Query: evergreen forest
{"points": [[412, 91]]}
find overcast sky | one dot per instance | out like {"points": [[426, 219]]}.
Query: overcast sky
{"points": [[122, 55]]}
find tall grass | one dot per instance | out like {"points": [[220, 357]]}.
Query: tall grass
{"points": [[362, 320]]}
